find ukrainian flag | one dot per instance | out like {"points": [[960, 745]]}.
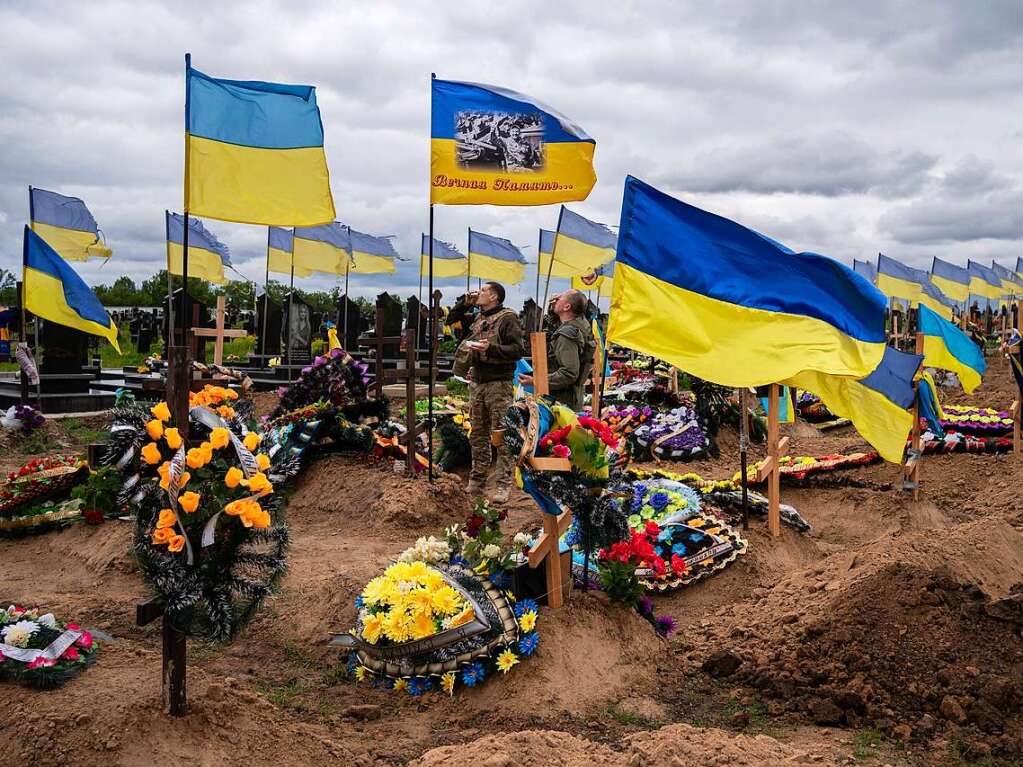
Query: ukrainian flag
{"points": [[280, 248], [1019, 268], [1010, 282], [949, 348], [896, 280], [952, 280], [878, 405], [582, 245], [786, 412], [495, 258], [547, 264], [66, 225], [326, 248], [447, 261], [731, 306], [600, 279], [207, 256], [934, 299], [53, 291], [867, 269], [493, 146], [371, 255], [254, 152], [984, 282]]}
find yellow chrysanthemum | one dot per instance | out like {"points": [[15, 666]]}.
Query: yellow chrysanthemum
{"points": [[397, 626], [447, 683], [506, 660], [462, 618], [378, 591], [420, 601], [360, 673], [423, 626], [399, 571], [528, 621], [372, 627], [446, 601], [400, 685]]}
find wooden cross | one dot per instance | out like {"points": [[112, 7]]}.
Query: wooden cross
{"points": [[770, 469], [911, 469], [597, 379], [220, 332]]}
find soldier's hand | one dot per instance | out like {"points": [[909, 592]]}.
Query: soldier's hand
{"points": [[525, 379], [482, 345]]}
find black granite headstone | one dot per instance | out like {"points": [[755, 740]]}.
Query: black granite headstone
{"points": [[348, 333], [269, 322], [65, 350], [418, 316], [530, 315], [392, 322]]}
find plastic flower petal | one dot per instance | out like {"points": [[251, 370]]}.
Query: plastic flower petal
{"points": [[528, 621], [173, 438], [154, 428], [177, 543], [161, 411], [251, 440], [189, 501], [233, 477], [506, 660], [195, 458], [167, 518], [162, 535], [151, 454], [447, 683], [220, 438], [263, 461]]}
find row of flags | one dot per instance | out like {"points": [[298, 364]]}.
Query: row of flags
{"points": [[946, 286]]}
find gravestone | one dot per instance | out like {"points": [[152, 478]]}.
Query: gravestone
{"points": [[201, 318], [298, 334], [269, 324], [348, 332], [392, 322], [65, 350], [147, 329], [530, 316], [417, 317]]}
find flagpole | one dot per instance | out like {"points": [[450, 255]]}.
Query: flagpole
{"points": [[468, 263], [186, 303], [433, 320], [550, 267], [24, 317], [266, 288], [291, 312], [344, 325], [168, 342]]}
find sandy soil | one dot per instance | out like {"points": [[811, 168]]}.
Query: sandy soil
{"points": [[888, 635]]}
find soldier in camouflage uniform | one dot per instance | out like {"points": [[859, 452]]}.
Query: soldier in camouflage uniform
{"points": [[570, 351], [494, 344]]}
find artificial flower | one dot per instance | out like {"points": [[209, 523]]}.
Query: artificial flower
{"points": [[233, 477], [400, 684], [251, 441], [526, 606], [528, 621], [419, 685], [18, 634], [70, 654], [263, 461], [40, 662], [189, 501], [253, 515], [506, 660], [154, 428], [220, 438], [177, 543], [422, 626], [172, 437], [259, 484], [161, 411], [473, 674], [151, 454], [183, 480], [226, 411], [491, 551], [447, 683], [195, 458], [48, 620], [372, 627], [162, 535], [360, 673], [528, 643], [167, 518], [85, 640]]}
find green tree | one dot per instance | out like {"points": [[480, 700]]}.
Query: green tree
{"points": [[238, 294], [8, 288]]}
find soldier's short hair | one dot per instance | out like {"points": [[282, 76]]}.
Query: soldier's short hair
{"points": [[498, 289], [577, 303]]}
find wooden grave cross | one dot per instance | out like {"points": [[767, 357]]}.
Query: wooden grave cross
{"points": [[547, 548], [219, 333], [770, 469]]}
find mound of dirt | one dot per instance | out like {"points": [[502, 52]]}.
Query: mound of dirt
{"points": [[676, 744], [919, 636]]}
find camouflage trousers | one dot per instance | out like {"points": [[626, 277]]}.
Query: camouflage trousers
{"points": [[488, 403]]}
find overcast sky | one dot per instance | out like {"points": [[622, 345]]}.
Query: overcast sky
{"points": [[838, 127]]}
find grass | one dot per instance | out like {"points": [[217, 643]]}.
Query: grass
{"points": [[958, 759], [36, 443], [632, 720], [865, 744], [298, 655], [756, 711], [336, 675], [287, 695], [80, 431]]}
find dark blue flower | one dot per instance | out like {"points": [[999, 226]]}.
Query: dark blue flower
{"points": [[418, 685], [639, 489], [459, 560], [359, 604], [528, 643], [659, 501], [500, 579], [473, 674], [526, 606]]}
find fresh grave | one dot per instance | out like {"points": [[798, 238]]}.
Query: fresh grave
{"points": [[39, 651]]}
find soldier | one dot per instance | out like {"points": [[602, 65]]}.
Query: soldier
{"points": [[493, 346], [570, 353]]}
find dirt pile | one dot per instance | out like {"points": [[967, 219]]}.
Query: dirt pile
{"points": [[676, 744], [917, 636]]}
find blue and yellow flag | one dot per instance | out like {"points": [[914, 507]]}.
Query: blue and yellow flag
{"points": [[447, 261], [952, 280], [493, 146], [254, 152], [580, 245], [370, 254], [207, 256], [731, 306], [547, 265], [867, 269], [53, 291], [897, 280], [932, 297], [67, 225], [600, 279], [1019, 267], [495, 258], [984, 282], [949, 348], [878, 405], [326, 248], [1011, 283], [786, 411], [280, 249]]}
